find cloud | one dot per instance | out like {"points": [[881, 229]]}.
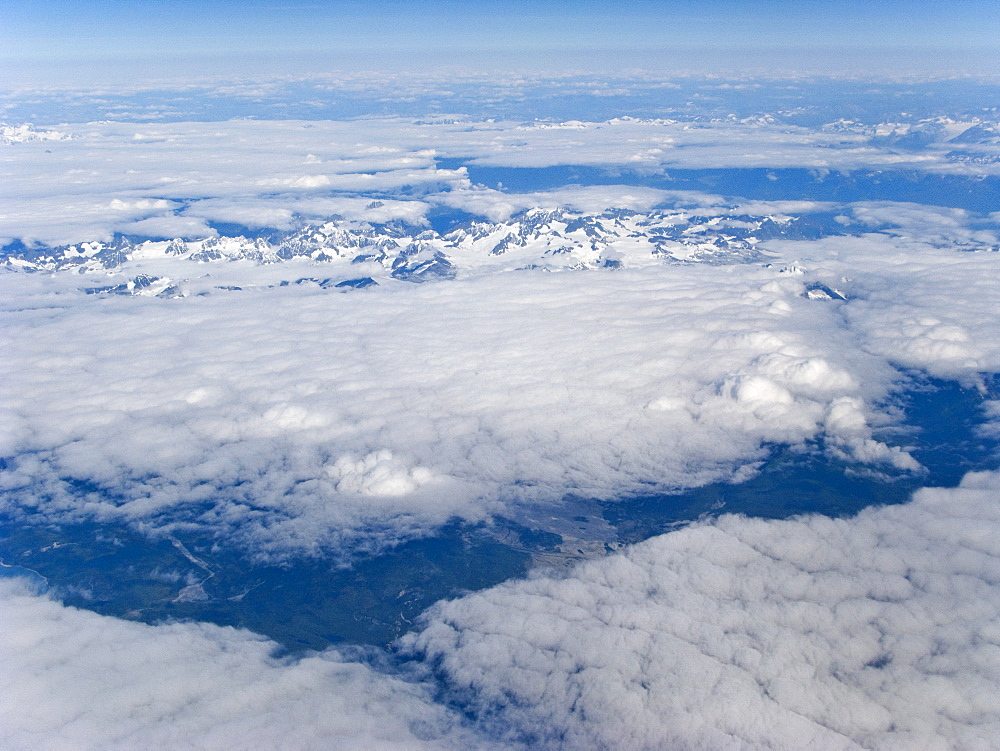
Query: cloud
{"points": [[876, 631], [74, 218], [284, 210], [60, 191], [498, 206], [688, 372], [306, 418], [655, 145], [77, 680], [11, 134], [169, 226], [112, 174], [468, 398], [931, 224], [294, 420], [920, 304]]}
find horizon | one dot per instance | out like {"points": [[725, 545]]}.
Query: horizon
{"points": [[55, 41]]}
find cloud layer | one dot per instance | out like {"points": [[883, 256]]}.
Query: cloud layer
{"points": [[873, 632], [305, 420], [76, 680], [917, 300], [300, 418], [177, 178], [295, 420]]}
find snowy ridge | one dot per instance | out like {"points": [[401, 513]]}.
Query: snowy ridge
{"points": [[549, 239], [11, 134]]}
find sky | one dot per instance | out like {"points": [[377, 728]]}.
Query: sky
{"points": [[512, 33]]}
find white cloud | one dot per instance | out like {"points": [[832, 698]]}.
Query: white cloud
{"points": [[86, 188], [657, 145], [313, 421], [311, 417], [77, 680], [57, 188], [484, 392], [283, 210], [498, 206], [11, 134], [875, 631], [878, 631], [930, 224], [69, 218], [168, 226], [919, 304]]}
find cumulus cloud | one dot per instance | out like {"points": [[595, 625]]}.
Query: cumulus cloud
{"points": [[919, 304], [874, 631], [259, 404], [305, 418], [930, 224], [285, 210], [294, 420], [878, 631], [62, 219], [77, 680]]}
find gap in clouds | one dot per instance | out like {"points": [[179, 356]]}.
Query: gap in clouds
{"points": [[303, 604], [311, 602], [874, 631], [941, 426], [975, 193]]}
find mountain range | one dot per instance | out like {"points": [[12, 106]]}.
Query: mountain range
{"points": [[352, 254]]}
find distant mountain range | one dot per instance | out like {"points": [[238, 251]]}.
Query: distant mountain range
{"points": [[354, 254]]}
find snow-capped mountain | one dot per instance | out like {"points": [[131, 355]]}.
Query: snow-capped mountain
{"points": [[11, 134], [551, 239]]}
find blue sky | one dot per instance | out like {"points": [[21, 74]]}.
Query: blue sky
{"points": [[47, 30]]}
